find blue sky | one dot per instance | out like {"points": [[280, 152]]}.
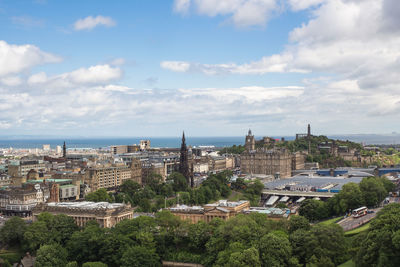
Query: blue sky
{"points": [[211, 67]]}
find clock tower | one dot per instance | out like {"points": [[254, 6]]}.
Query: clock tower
{"points": [[250, 143]]}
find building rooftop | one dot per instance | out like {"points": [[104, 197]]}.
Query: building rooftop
{"points": [[314, 182], [86, 205], [226, 203], [49, 180]]}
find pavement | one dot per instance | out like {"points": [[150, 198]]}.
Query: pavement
{"points": [[350, 223]]}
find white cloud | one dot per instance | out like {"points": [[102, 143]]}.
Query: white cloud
{"points": [[11, 80], [354, 45], [90, 22], [249, 94], [37, 78], [345, 37], [178, 66], [17, 58], [297, 5], [182, 6], [94, 74], [242, 13], [98, 74], [272, 64]]}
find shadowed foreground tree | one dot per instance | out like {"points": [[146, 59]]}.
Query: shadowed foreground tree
{"points": [[381, 244], [138, 256], [51, 256], [12, 233]]}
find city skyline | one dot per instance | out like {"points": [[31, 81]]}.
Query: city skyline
{"points": [[211, 68]]}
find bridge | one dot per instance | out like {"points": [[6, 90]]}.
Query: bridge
{"points": [[267, 192]]}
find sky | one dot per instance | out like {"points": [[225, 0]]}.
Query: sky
{"points": [[209, 67]]}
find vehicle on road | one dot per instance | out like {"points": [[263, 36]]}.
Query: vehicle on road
{"points": [[360, 212]]}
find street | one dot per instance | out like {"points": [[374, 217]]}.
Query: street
{"points": [[350, 222]]}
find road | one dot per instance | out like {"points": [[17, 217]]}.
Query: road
{"points": [[351, 222]]}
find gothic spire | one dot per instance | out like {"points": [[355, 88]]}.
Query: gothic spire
{"points": [[64, 151], [184, 161]]}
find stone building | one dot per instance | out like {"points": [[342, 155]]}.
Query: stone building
{"points": [[222, 209], [21, 168], [20, 201], [275, 161], [107, 176], [136, 171], [104, 213], [122, 149], [149, 168]]}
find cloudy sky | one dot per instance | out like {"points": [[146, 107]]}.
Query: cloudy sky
{"points": [[209, 67]]}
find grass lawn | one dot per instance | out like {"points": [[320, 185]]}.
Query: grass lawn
{"points": [[348, 263], [358, 230], [330, 221]]}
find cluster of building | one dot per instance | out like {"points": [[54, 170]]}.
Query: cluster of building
{"points": [[32, 179]]}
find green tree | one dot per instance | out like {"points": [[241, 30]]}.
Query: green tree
{"points": [[179, 182], [37, 234], [248, 257], [129, 187], [140, 256], [350, 197], [275, 250], [298, 222], [12, 233], [381, 244], [51, 256], [326, 241], [373, 190], [99, 195], [86, 245], [313, 209], [62, 227]]}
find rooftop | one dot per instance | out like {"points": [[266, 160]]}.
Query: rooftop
{"points": [[226, 203], [316, 182], [49, 180], [86, 205]]}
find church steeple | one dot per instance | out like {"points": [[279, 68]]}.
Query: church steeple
{"points": [[64, 151]]}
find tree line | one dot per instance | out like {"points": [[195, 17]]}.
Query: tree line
{"points": [[156, 194], [245, 240], [370, 192]]}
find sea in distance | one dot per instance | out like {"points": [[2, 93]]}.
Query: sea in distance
{"points": [[80, 142]]}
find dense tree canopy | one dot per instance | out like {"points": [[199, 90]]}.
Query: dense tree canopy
{"points": [[380, 246], [370, 192], [12, 233], [52, 255], [99, 196]]}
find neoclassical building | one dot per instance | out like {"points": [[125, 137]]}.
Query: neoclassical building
{"points": [[104, 213], [222, 209]]}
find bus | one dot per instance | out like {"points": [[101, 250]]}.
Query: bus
{"points": [[360, 212]]}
